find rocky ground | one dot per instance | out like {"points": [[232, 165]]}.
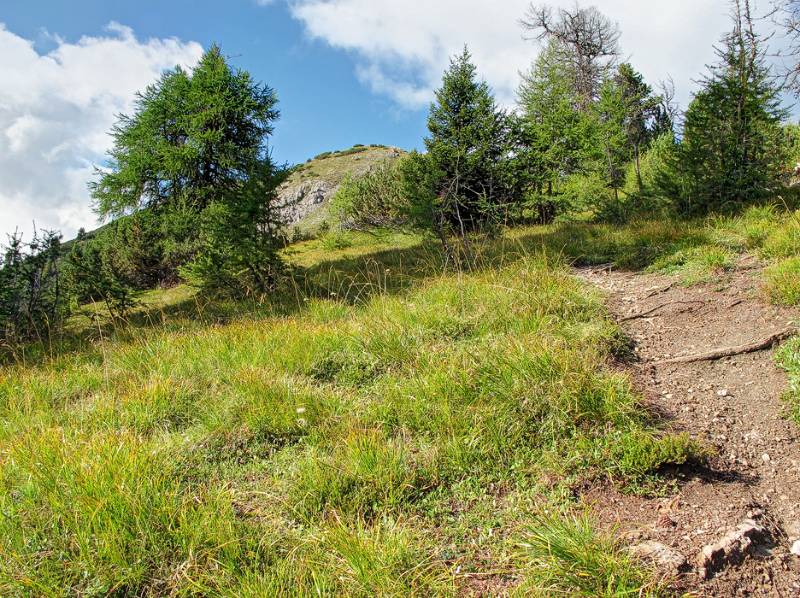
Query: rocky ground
{"points": [[732, 526]]}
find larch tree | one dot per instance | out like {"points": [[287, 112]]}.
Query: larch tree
{"points": [[588, 39], [192, 136]]}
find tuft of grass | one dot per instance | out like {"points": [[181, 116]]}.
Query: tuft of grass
{"points": [[697, 264], [782, 281], [567, 557], [788, 357], [783, 241]]}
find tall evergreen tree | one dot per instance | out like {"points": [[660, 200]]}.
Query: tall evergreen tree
{"points": [[466, 148], [645, 117], [193, 144], [612, 150], [554, 125], [730, 152], [629, 117], [192, 137], [587, 39]]}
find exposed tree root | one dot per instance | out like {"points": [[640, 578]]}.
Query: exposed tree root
{"points": [[658, 307], [761, 345], [658, 291]]}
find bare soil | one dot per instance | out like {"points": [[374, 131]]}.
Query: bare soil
{"points": [[733, 405]]}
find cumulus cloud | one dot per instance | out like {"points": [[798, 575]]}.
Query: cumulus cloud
{"points": [[55, 113], [401, 48]]}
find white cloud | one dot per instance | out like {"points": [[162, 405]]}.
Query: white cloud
{"points": [[402, 48], [55, 113]]}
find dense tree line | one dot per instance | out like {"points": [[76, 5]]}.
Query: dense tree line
{"points": [[591, 136]]}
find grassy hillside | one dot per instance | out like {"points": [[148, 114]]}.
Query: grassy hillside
{"points": [[330, 169], [386, 428]]}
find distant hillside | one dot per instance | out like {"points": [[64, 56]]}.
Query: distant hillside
{"points": [[308, 191]]}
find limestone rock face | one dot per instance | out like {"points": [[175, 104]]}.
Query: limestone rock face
{"points": [[304, 199], [299, 201]]}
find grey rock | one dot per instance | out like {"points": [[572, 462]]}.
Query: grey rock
{"points": [[660, 554], [298, 201], [731, 549]]}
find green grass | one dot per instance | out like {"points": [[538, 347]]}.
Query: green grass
{"points": [[789, 359], [388, 427], [569, 558], [782, 281], [696, 251]]}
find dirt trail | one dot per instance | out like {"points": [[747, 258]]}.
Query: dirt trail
{"points": [[733, 404]]}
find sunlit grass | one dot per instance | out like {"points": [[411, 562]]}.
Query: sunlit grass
{"points": [[568, 557], [339, 440]]}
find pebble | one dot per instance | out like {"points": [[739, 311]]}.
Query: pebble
{"points": [[660, 553], [765, 458], [796, 548], [722, 393]]}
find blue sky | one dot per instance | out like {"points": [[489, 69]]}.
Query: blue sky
{"points": [[346, 72], [323, 105]]}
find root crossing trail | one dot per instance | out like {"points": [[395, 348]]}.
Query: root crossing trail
{"points": [[743, 507]]}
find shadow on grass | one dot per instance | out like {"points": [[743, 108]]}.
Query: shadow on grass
{"points": [[356, 279]]}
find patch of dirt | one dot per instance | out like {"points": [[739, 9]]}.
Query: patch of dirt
{"points": [[731, 404]]}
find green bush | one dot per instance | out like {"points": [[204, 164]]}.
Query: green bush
{"points": [[373, 200]]}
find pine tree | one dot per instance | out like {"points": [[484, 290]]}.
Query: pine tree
{"points": [[731, 149], [94, 277], [466, 149], [241, 238], [195, 141], [645, 117], [33, 303], [613, 145]]}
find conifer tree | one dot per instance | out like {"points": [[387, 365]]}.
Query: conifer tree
{"points": [[466, 149], [731, 149], [32, 297], [93, 276], [554, 125], [192, 136]]}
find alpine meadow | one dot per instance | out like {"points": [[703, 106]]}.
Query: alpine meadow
{"points": [[551, 351]]}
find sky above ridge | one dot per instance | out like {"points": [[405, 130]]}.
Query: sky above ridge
{"points": [[346, 72]]}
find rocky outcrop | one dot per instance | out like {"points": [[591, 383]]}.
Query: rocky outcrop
{"points": [[661, 555], [304, 197], [301, 200], [732, 548]]}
